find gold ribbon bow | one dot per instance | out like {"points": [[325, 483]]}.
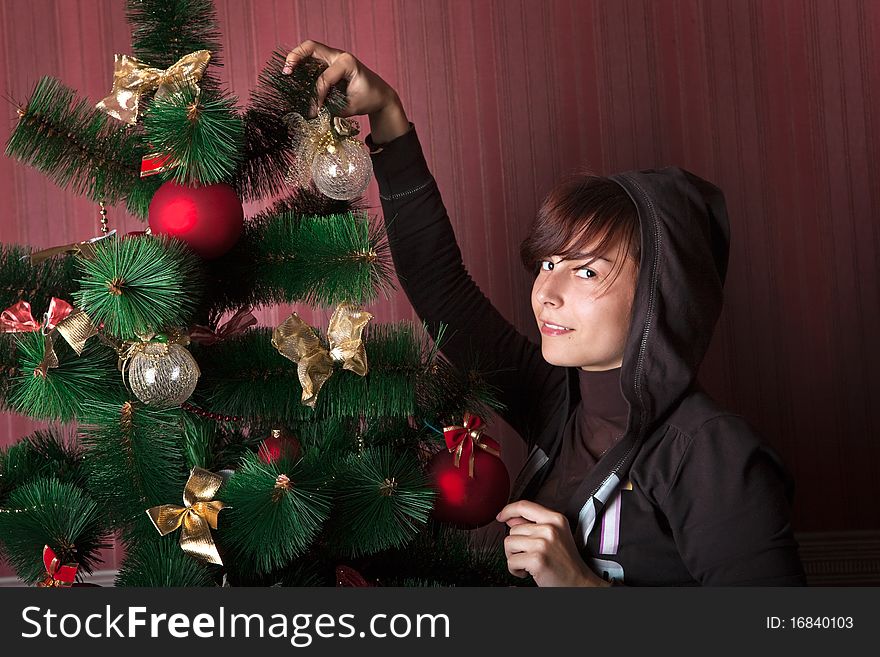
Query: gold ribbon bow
{"points": [[132, 78], [298, 342], [74, 325], [128, 348], [464, 441], [197, 516], [84, 249], [312, 136]]}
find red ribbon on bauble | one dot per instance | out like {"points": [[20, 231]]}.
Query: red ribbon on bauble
{"points": [[463, 440], [18, 318], [57, 574], [235, 325], [348, 577]]}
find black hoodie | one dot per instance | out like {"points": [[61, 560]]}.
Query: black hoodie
{"points": [[689, 495]]}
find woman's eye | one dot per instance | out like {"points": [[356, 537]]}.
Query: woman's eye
{"points": [[587, 273], [546, 265]]}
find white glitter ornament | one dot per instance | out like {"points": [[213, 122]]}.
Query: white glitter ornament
{"points": [[162, 375]]}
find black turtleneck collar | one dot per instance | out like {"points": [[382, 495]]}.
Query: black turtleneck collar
{"points": [[601, 396]]}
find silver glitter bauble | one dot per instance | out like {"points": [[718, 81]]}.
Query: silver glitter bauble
{"points": [[162, 375], [342, 169]]}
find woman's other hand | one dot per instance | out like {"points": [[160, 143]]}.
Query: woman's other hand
{"points": [[540, 544], [366, 93]]}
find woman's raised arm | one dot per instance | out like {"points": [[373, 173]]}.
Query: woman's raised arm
{"points": [[427, 257]]}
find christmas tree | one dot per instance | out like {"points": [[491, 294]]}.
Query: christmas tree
{"points": [[214, 450]]}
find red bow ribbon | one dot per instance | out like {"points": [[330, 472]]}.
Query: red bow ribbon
{"points": [[57, 575], [463, 441], [18, 318], [236, 325], [347, 577]]}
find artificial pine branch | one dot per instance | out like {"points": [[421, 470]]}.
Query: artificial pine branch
{"points": [[77, 146], [9, 368], [311, 259], [34, 283], [449, 556], [215, 446], [159, 562], [309, 201], [268, 144], [62, 392], [247, 377], [141, 193], [49, 512], [383, 500], [40, 455], [202, 132], [276, 511], [163, 31], [136, 460], [140, 285], [445, 392]]}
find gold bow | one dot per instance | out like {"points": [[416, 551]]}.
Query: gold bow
{"points": [[132, 78], [197, 517], [312, 136], [84, 249], [74, 325], [128, 348], [297, 341]]}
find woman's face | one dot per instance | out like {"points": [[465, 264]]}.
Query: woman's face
{"points": [[584, 321]]}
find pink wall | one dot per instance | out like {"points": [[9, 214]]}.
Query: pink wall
{"points": [[774, 100]]}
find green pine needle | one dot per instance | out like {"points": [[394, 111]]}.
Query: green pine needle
{"points": [[135, 460], [8, 365], [202, 132], [61, 394], [76, 145], [49, 512], [246, 376], [141, 194], [163, 31], [198, 439], [40, 455], [270, 524], [160, 562], [445, 554], [140, 285], [268, 145], [36, 284], [308, 201], [383, 500], [316, 260]]}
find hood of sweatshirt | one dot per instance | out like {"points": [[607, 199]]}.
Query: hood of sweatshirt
{"points": [[685, 242]]}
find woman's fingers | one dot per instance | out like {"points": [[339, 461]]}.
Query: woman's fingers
{"points": [[522, 564], [308, 48], [517, 520], [519, 550], [533, 529], [344, 66], [515, 544], [530, 511]]}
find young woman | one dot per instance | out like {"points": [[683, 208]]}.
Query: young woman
{"points": [[634, 475]]}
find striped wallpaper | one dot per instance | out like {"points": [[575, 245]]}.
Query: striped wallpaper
{"points": [[776, 101]]}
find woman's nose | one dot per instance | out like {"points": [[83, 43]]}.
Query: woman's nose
{"points": [[548, 293]]}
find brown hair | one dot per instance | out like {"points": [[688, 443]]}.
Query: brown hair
{"points": [[582, 210]]}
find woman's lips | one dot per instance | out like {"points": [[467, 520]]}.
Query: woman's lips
{"points": [[553, 330]]}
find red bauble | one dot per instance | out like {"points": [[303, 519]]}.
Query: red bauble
{"points": [[209, 218], [280, 444], [464, 501]]}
